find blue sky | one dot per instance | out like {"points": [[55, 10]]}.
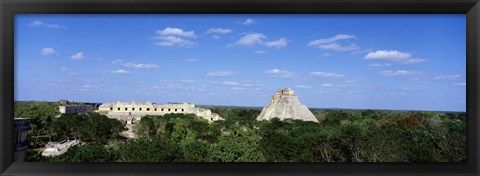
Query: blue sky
{"points": [[401, 62]]}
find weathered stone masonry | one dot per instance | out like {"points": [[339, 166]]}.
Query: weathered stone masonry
{"points": [[285, 105], [131, 112]]}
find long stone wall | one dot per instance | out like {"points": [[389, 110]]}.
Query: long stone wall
{"points": [[133, 111], [78, 109]]}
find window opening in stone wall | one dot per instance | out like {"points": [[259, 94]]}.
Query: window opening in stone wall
{"points": [[148, 109]]}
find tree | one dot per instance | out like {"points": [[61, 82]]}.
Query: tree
{"points": [[240, 145], [145, 128], [409, 121], [86, 153], [179, 133], [335, 116], [368, 136], [449, 139], [41, 115], [195, 150], [87, 128], [149, 150]]}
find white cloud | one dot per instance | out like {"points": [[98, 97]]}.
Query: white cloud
{"points": [[237, 88], [334, 87], [326, 75], [116, 61], [280, 73], [149, 90], [393, 56], [327, 85], [331, 39], [361, 51], [186, 81], [331, 44], [68, 71], [247, 22], [221, 73], [219, 30], [447, 77], [139, 66], [251, 85], [414, 61], [250, 40], [379, 65], [355, 92], [192, 59], [77, 56], [38, 23], [231, 83], [247, 84], [48, 51], [280, 43], [400, 73], [460, 84], [303, 86], [259, 52], [410, 89], [64, 81], [135, 65], [171, 36], [87, 87], [172, 82], [120, 71], [338, 47], [173, 41], [172, 31]]}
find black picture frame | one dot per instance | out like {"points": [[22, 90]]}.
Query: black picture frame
{"points": [[8, 8]]}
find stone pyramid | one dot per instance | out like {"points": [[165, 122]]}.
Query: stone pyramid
{"points": [[285, 105]]}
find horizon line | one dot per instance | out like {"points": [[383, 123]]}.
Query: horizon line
{"points": [[244, 106]]}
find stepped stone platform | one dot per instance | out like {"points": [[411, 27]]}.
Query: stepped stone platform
{"points": [[285, 105]]}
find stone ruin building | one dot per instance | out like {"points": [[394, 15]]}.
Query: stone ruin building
{"points": [[20, 135], [132, 112], [57, 149], [285, 105], [75, 109]]}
